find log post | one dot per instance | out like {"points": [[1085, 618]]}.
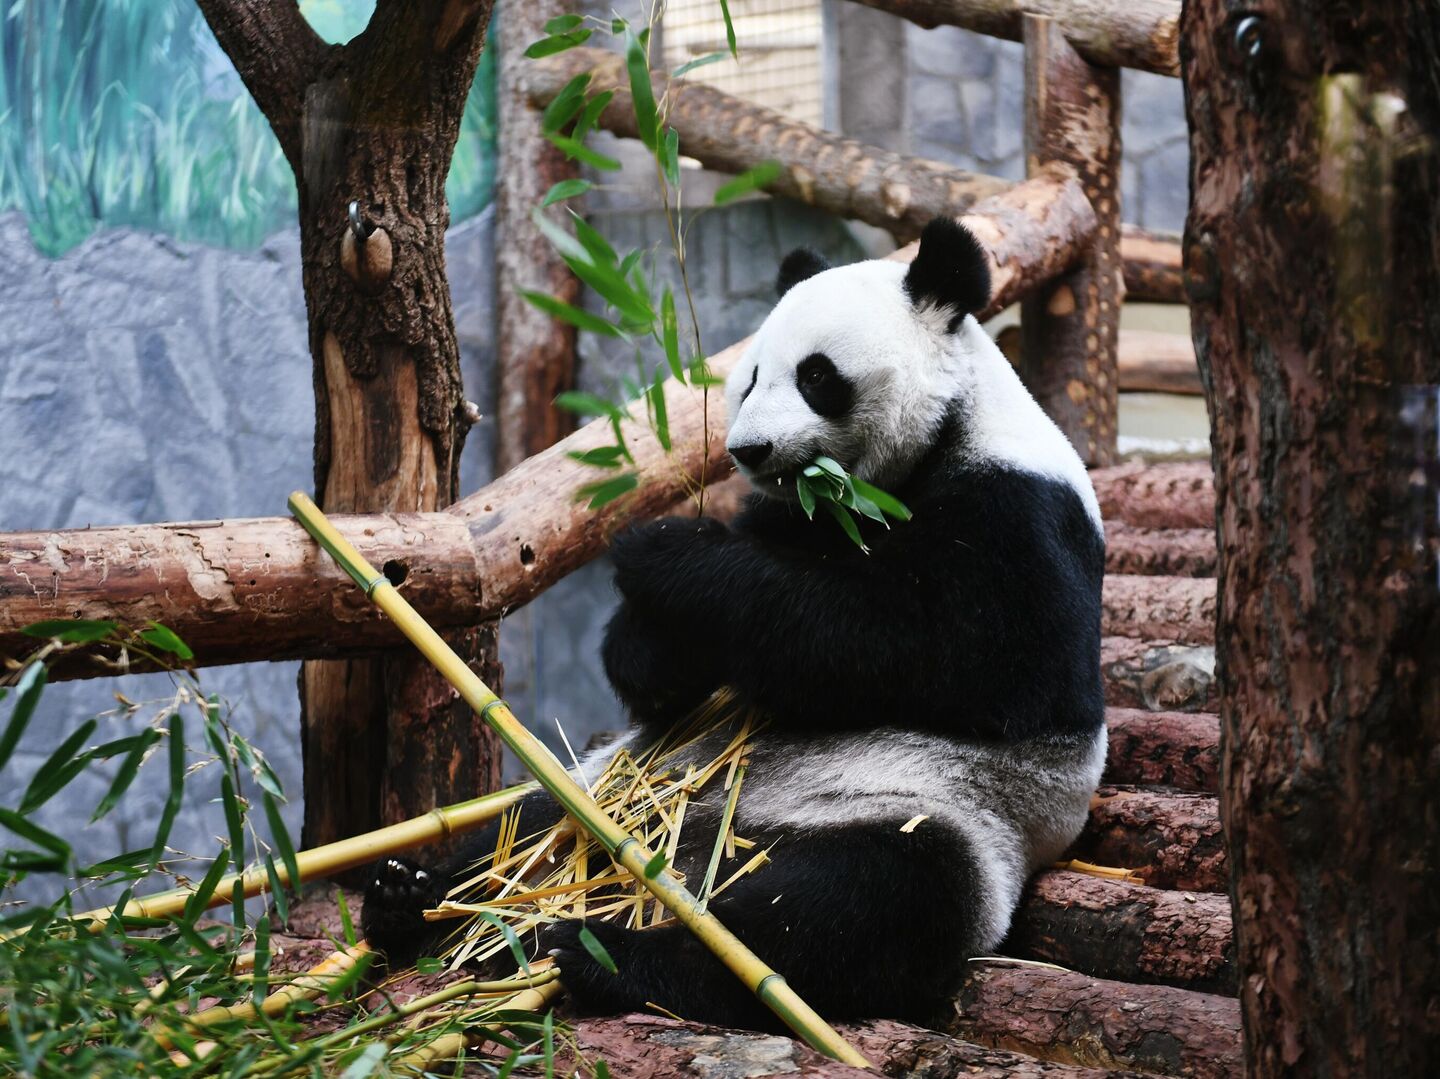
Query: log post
{"points": [[535, 354], [1312, 258], [1070, 326], [1152, 265], [369, 129]]}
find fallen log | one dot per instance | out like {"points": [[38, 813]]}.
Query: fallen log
{"points": [[1166, 749], [1148, 361], [1168, 839], [728, 134], [258, 589], [1129, 932], [1174, 608], [1152, 265], [640, 1044], [1174, 552], [1172, 495], [1070, 1018], [1158, 675], [1143, 34]]}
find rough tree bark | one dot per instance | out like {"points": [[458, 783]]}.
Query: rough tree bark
{"points": [[534, 353], [1149, 361], [1070, 327], [1175, 608], [1166, 749], [1152, 262], [1312, 256], [1178, 495], [374, 122], [1170, 839], [1180, 552]]}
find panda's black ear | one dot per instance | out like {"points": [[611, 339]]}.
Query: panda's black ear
{"points": [[951, 271], [796, 267]]}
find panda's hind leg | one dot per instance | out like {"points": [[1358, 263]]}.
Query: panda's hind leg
{"points": [[863, 921]]}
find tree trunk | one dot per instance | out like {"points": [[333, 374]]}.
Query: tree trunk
{"points": [[1312, 255], [535, 354], [373, 124]]}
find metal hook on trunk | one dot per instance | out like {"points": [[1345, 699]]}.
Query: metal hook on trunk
{"points": [[365, 255]]}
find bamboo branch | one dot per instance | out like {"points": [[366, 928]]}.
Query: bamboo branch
{"points": [[1143, 34], [725, 133], [248, 590], [277, 54]]}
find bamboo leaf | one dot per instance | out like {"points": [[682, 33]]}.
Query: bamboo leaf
{"points": [[59, 769], [260, 985], [607, 491], [599, 457], [591, 115], [847, 523], [71, 630], [556, 43], [199, 900], [597, 951], [234, 820], [428, 964], [368, 1062], [591, 239], [566, 189], [887, 502], [28, 829], [642, 94], [563, 24], [165, 639], [654, 866], [658, 410], [340, 985], [750, 180], [614, 290], [281, 835], [277, 891], [670, 157], [729, 29], [517, 950], [588, 404], [561, 240], [806, 496], [577, 317], [700, 61], [347, 924], [569, 101], [171, 809], [670, 334], [578, 151], [27, 695], [126, 774]]}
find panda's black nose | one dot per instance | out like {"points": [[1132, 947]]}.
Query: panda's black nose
{"points": [[753, 455]]}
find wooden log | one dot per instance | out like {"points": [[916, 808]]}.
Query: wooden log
{"points": [[1152, 262], [525, 530], [1143, 34], [1149, 361], [1158, 675], [1169, 839], [1171, 495], [1070, 1018], [1070, 326], [726, 133], [1178, 609], [1167, 749], [1175, 552], [1129, 932], [534, 353], [640, 1044]]}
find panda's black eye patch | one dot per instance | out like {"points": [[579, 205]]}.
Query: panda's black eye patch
{"points": [[825, 389], [754, 378]]}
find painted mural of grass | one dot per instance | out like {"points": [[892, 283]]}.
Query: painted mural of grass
{"points": [[125, 112]]}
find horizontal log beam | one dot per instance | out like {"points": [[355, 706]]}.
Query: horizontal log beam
{"points": [[1141, 34], [1180, 750], [1071, 1018], [258, 589], [1168, 839], [1174, 608], [1171, 495], [1173, 552], [1148, 361], [1158, 675], [728, 134], [1129, 932], [1152, 264]]}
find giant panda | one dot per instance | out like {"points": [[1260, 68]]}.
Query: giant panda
{"points": [[950, 674]]}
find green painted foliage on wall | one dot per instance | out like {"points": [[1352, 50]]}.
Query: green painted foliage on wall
{"points": [[127, 113]]}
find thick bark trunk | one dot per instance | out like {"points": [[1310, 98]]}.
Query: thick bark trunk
{"points": [[1143, 34], [1313, 262], [1152, 262], [1164, 749], [1070, 326], [1158, 676], [374, 124], [535, 354], [1175, 552], [1168, 839], [725, 133], [1129, 932], [238, 586], [1073, 1019]]}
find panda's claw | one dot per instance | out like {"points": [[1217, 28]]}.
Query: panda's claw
{"points": [[392, 917]]}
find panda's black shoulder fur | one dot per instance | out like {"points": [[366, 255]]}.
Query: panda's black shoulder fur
{"points": [[979, 618]]}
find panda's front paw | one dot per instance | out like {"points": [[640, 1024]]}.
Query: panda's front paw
{"points": [[392, 919], [656, 564], [592, 987], [659, 672]]}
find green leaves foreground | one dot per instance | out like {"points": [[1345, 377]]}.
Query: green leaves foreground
{"points": [[825, 483]]}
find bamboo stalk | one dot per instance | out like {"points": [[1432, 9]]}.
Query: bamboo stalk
{"points": [[625, 849], [450, 1046], [326, 860]]}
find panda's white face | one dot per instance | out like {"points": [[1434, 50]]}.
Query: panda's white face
{"points": [[847, 366]]}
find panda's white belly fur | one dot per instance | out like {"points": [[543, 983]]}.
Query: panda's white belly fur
{"points": [[1018, 805]]}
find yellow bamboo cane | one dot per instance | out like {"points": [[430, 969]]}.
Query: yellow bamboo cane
{"points": [[624, 848]]}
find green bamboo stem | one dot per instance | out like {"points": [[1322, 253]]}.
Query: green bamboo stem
{"points": [[624, 848]]}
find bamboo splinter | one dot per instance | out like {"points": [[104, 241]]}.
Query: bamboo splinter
{"points": [[624, 848]]}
